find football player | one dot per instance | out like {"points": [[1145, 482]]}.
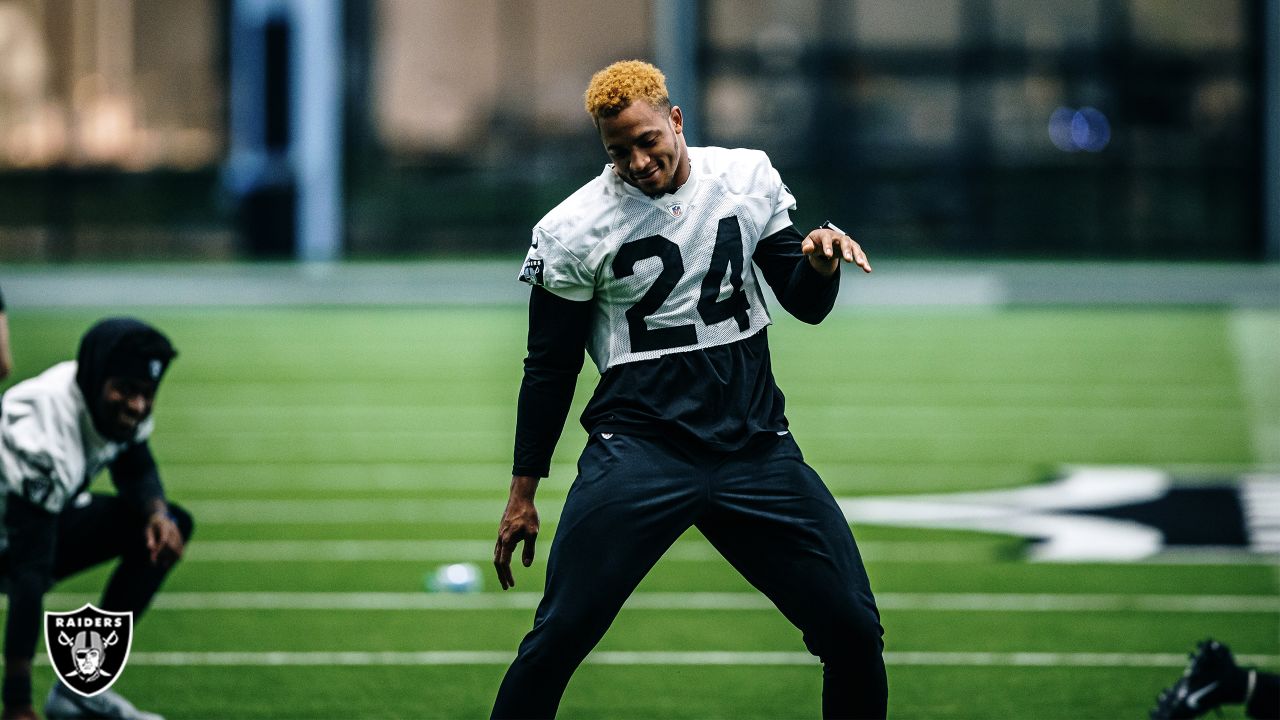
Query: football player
{"points": [[653, 267], [6, 357], [1213, 679], [58, 430]]}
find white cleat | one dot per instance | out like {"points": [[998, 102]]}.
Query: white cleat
{"points": [[63, 704]]}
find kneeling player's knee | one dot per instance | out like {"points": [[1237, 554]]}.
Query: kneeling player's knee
{"points": [[186, 524]]}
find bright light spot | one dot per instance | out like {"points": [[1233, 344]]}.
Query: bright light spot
{"points": [[1060, 129], [459, 574], [1097, 129], [1085, 129]]}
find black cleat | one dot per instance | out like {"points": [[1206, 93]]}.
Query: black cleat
{"points": [[1211, 679]]}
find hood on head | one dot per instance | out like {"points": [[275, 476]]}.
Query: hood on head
{"points": [[122, 348]]}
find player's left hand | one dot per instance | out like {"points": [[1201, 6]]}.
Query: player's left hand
{"points": [[826, 248], [164, 540]]}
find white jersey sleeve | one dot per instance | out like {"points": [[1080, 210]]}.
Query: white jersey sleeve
{"points": [[783, 203], [550, 264], [566, 249], [49, 448]]}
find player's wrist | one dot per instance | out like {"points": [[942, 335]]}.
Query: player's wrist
{"points": [[156, 509], [825, 267], [524, 486]]}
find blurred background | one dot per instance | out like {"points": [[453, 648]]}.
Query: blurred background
{"points": [[326, 129], [1073, 208]]}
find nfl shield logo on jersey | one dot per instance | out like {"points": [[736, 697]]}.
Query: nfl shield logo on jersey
{"points": [[676, 209], [88, 647]]}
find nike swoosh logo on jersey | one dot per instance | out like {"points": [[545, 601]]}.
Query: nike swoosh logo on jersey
{"points": [[1193, 700]]}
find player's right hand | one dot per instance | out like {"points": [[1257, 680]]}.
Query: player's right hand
{"points": [[164, 540], [519, 523]]}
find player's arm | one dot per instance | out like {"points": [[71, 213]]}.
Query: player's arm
{"points": [[804, 272], [6, 357], [558, 330], [137, 481], [32, 531]]}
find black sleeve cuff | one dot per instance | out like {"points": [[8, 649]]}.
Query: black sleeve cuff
{"points": [[524, 470]]}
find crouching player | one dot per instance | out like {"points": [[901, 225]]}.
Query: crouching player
{"points": [[57, 431]]}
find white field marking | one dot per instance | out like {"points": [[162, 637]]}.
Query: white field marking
{"points": [[239, 551], [343, 512], [274, 551], [1255, 335], [1216, 556], [920, 602], [666, 658], [323, 478]]}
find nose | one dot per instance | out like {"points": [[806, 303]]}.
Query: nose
{"points": [[136, 404], [639, 161]]}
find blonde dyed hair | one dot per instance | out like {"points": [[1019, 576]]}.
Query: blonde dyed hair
{"points": [[614, 88]]}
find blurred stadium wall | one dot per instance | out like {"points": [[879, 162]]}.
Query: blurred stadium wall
{"points": [[1127, 129]]}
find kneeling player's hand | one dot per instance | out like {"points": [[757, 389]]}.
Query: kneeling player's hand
{"points": [[827, 246], [519, 523], [164, 540]]}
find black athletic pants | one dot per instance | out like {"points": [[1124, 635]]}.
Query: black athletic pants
{"points": [[45, 548], [763, 508]]}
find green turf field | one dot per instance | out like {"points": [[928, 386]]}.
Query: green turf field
{"points": [[333, 457]]}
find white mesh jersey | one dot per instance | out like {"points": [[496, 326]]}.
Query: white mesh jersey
{"points": [[668, 274], [49, 448]]}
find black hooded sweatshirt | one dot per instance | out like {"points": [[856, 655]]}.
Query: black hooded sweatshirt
{"points": [[124, 348]]}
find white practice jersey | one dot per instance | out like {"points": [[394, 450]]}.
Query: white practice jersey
{"points": [[668, 274], [49, 448]]}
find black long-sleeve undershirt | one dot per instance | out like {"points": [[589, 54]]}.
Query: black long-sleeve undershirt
{"points": [[137, 479], [558, 332], [716, 398]]}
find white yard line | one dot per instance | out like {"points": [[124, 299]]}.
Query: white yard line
{"points": [[275, 551], [919, 602], [343, 512], [1255, 334], [668, 658]]}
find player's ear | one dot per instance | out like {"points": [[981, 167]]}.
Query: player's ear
{"points": [[677, 119]]}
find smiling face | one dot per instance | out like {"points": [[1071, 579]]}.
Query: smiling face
{"points": [[647, 147], [126, 403]]}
